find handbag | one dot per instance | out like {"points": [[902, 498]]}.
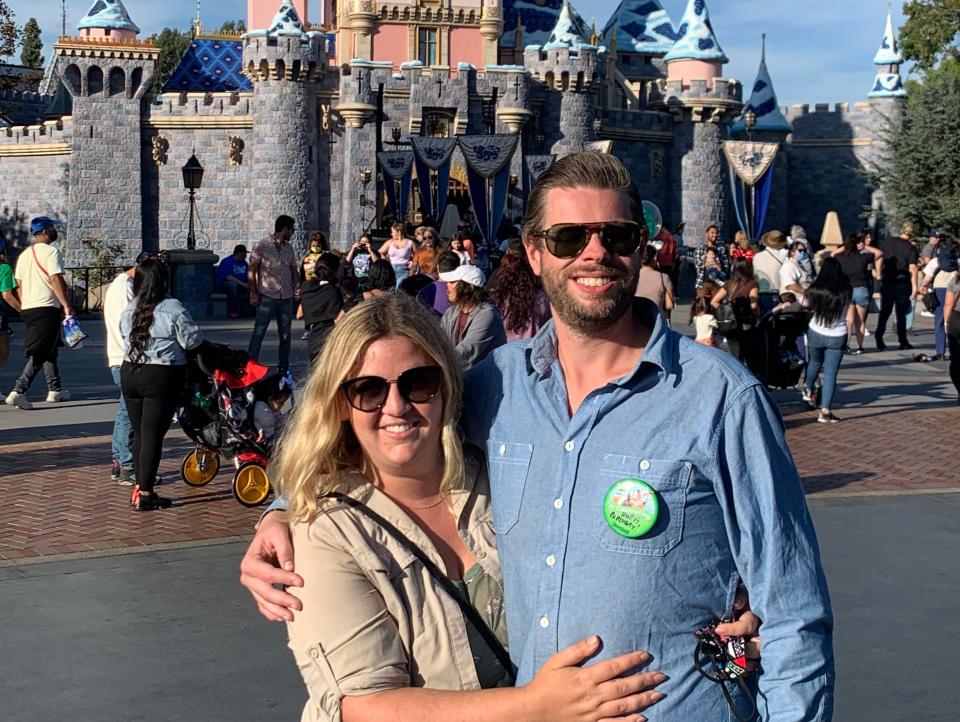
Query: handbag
{"points": [[930, 301], [726, 319], [471, 614]]}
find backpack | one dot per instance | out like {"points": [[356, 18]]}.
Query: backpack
{"points": [[947, 258]]}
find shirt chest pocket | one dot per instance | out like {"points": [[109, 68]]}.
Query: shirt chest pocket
{"points": [[669, 479], [508, 467]]}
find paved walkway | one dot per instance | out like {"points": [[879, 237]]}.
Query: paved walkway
{"points": [[59, 501]]}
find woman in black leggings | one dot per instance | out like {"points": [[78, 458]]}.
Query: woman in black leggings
{"points": [[951, 322], [159, 332]]}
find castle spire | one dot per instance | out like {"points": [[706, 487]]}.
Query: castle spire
{"points": [[570, 30], [888, 83], [763, 102], [109, 15], [695, 37], [641, 26], [287, 23]]}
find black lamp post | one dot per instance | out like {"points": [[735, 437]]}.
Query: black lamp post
{"points": [[192, 178]]}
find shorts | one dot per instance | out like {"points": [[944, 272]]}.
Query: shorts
{"points": [[861, 296]]}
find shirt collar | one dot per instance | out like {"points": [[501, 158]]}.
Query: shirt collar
{"points": [[661, 349]]}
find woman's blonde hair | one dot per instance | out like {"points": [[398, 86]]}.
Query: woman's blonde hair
{"points": [[741, 239], [316, 445]]}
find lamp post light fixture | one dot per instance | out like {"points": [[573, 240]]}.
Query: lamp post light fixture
{"points": [[192, 179], [749, 121]]}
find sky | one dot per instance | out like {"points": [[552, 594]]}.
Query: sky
{"points": [[818, 51]]}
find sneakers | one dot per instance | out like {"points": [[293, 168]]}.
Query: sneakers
{"points": [[856, 352], [123, 477], [926, 314], [15, 398], [866, 332], [827, 418], [881, 346], [148, 502], [906, 346], [808, 398], [56, 397]]}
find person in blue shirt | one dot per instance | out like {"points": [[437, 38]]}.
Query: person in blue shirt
{"points": [[232, 279], [607, 406]]}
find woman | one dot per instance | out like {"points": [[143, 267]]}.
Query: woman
{"points": [[654, 284], [827, 298], [320, 303], [318, 246], [399, 249], [742, 294], [473, 322], [380, 635], [741, 248], [521, 300], [936, 277], [951, 324], [425, 258], [159, 332], [456, 246], [381, 279], [361, 255], [858, 262]]}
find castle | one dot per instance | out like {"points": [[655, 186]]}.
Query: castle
{"points": [[289, 117]]}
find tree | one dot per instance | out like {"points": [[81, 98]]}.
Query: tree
{"points": [[173, 44], [8, 31], [922, 174], [231, 26], [31, 47], [930, 33]]}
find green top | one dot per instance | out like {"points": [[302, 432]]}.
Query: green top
{"points": [[7, 281], [486, 596]]}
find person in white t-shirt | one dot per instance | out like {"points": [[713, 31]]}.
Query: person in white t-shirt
{"points": [[828, 299], [117, 298], [794, 276], [43, 300]]}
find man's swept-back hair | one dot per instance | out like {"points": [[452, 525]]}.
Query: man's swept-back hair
{"points": [[282, 223], [581, 170]]}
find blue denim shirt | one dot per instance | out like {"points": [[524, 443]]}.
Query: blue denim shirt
{"points": [[699, 428], [172, 334]]}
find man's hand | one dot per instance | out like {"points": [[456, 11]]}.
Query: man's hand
{"points": [[254, 297], [269, 562], [746, 624]]}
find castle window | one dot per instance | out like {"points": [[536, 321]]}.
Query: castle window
{"points": [[427, 46]]}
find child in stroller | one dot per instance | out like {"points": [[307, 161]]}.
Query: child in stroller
{"points": [[219, 413], [779, 364]]}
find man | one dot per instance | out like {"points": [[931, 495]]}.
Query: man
{"points": [[43, 298], [794, 276], [232, 277], [603, 412], [274, 281], [768, 262], [928, 253], [711, 244], [898, 285]]}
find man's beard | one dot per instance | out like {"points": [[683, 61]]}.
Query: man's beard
{"points": [[603, 312]]}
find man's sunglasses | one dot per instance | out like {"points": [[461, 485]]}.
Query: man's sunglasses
{"points": [[416, 386], [567, 240]]}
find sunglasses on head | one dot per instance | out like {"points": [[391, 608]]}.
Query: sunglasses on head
{"points": [[416, 386], [566, 240]]}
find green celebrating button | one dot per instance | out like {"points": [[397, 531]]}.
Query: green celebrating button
{"points": [[631, 508]]}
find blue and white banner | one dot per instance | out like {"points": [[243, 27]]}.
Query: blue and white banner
{"points": [[397, 167], [432, 160], [752, 166], [537, 165], [488, 177]]}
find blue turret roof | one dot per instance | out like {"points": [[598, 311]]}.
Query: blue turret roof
{"points": [[763, 102], [286, 24], [695, 37], [537, 19], [889, 52], [642, 26], [888, 85], [108, 15], [570, 30], [210, 65]]}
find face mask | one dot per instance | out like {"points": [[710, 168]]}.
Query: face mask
{"points": [[801, 256]]}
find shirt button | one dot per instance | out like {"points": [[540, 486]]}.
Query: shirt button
{"points": [[558, 503], [314, 653], [544, 622], [644, 465], [569, 446], [503, 449], [551, 561]]}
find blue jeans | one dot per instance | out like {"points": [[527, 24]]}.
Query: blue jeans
{"points": [[940, 332], [232, 289], [122, 442], [269, 309], [826, 353]]}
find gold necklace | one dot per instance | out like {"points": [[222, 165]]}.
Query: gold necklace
{"points": [[428, 506]]}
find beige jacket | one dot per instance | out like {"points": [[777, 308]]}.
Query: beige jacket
{"points": [[373, 618]]}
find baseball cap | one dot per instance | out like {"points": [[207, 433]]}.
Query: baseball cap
{"points": [[934, 234], [464, 272], [42, 223]]}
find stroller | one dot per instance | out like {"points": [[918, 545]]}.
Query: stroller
{"points": [[773, 356], [217, 413]]}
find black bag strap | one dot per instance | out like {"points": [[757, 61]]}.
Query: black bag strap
{"points": [[442, 579]]}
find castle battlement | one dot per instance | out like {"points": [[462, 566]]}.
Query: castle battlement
{"points": [[57, 132], [638, 120], [409, 13], [724, 91], [285, 58]]}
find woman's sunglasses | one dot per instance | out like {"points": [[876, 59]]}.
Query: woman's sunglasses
{"points": [[567, 240], [416, 386]]}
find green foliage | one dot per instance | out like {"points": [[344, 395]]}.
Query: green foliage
{"points": [[8, 31], [231, 26], [922, 177], [930, 33], [173, 44], [31, 47]]}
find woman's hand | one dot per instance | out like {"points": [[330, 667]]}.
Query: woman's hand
{"points": [[563, 691]]}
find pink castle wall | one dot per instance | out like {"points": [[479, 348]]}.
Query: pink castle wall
{"points": [[114, 34], [390, 43], [466, 46], [687, 70], [260, 13]]}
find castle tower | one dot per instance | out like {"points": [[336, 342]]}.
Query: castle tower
{"points": [[888, 83], [703, 104], [567, 65], [491, 29], [771, 126], [284, 62], [107, 72]]}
